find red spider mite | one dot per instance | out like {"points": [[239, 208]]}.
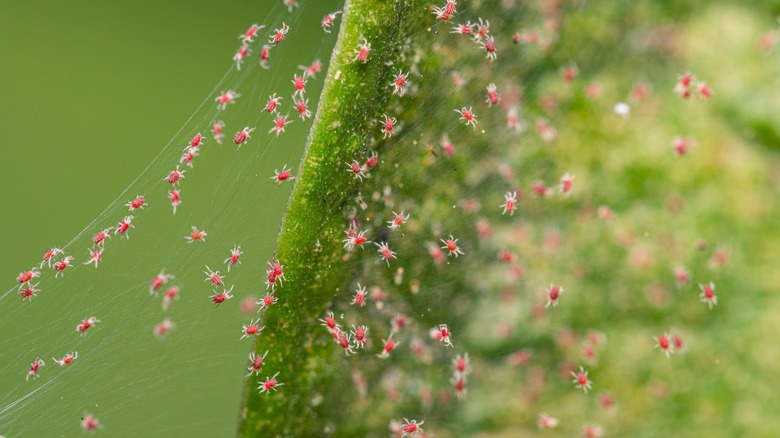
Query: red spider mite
{"points": [[663, 342], [171, 294], [442, 334], [540, 189], [225, 98], [482, 29], [492, 95], [411, 427], [327, 21], [61, 265], [196, 141], [95, 257], [372, 161], [464, 29], [460, 387], [681, 145], [705, 92], [279, 34], [299, 82], [159, 280], [250, 34], [256, 363], [49, 255], [279, 123], [398, 220], [400, 81], [360, 334], [196, 235], [242, 136], [451, 245], [445, 12], [447, 146], [355, 239], [34, 368], [163, 328], [312, 70], [290, 4], [214, 277], [28, 292], [385, 253], [267, 300], [553, 293], [387, 126], [461, 364], [251, 329], [581, 380], [241, 53], [101, 236], [546, 422], [510, 203], [467, 116], [387, 347], [85, 324], [265, 55], [363, 49], [277, 270], [356, 170], [399, 322], [175, 198], [233, 260], [269, 384], [273, 102], [188, 156], [567, 182], [301, 107], [280, 177], [124, 225], [174, 177], [220, 297], [490, 48], [136, 203], [89, 422], [360, 296], [707, 294], [216, 131], [329, 321], [67, 359], [26, 276]]}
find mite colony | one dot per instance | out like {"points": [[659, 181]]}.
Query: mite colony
{"points": [[352, 340]]}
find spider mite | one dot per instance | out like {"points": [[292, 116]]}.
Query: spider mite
{"points": [[34, 367], [411, 427], [26, 276], [467, 116], [329, 322], [442, 334], [61, 265], [250, 34], [447, 146], [399, 322], [163, 328], [399, 83], [492, 95], [663, 342], [225, 98], [269, 385], [463, 29], [482, 29], [327, 21], [159, 280], [216, 131], [385, 253], [681, 145], [461, 364], [460, 386], [136, 203], [372, 161], [569, 73], [242, 136], [170, 294], [490, 48], [567, 180], [256, 362], [540, 189], [445, 12], [89, 422], [510, 203], [196, 235], [95, 256], [360, 296], [546, 422], [360, 334], [49, 255], [707, 294], [679, 343], [581, 380], [215, 277], [451, 245], [355, 239], [343, 340], [387, 347], [705, 92], [279, 34], [235, 253], [362, 53], [356, 170], [188, 156], [301, 107], [312, 70], [591, 431], [279, 123], [290, 4], [398, 220], [220, 297], [267, 300], [28, 293], [299, 82], [251, 329], [85, 324], [67, 359], [388, 125], [273, 102], [175, 198], [265, 55], [240, 55], [280, 177], [553, 293], [174, 176], [123, 226]]}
